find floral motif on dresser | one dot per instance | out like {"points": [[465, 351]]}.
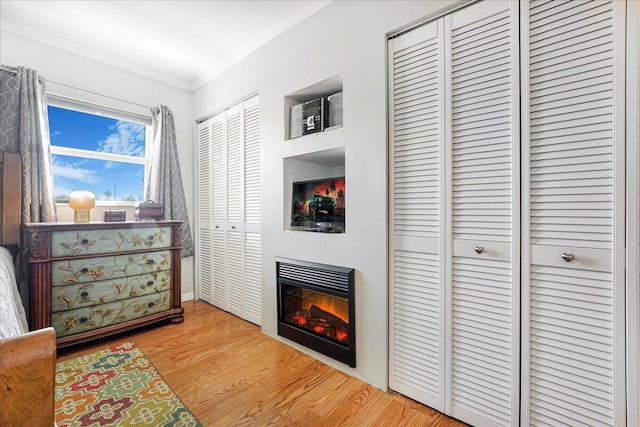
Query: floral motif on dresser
{"points": [[73, 243], [94, 269], [92, 294], [80, 320]]}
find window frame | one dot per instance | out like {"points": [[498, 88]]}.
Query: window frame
{"points": [[112, 113]]}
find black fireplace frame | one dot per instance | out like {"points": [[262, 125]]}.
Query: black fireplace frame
{"points": [[330, 279]]}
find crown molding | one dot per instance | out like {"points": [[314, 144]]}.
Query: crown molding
{"points": [[110, 58], [77, 47], [290, 21]]}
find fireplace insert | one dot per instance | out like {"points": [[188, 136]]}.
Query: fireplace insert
{"points": [[316, 307]]}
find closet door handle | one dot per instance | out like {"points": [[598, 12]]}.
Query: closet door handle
{"points": [[479, 249], [568, 257], [233, 227]]}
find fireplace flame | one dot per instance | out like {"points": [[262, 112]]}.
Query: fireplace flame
{"points": [[321, 313], [335, 305]]}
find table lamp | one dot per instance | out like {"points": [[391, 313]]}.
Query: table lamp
{"points": [[81, 202]]}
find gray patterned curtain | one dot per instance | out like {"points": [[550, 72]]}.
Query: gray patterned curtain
{"points": [[24, 128], [165, 181]]}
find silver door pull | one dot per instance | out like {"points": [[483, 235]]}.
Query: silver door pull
{"points": [[568, 257], [479, 249]]}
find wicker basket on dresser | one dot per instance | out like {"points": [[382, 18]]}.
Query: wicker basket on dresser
{"points": [[91, 280]]}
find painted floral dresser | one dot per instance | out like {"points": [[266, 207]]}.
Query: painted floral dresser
{"points": [[95, 279]]}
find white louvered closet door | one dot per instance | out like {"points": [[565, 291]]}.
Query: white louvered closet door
{"points": [[218, 215], [210, 252], [573, 290], [417, 339], [252, 213], [483, 82], [234, 210], [229, 258], [204, 237]]}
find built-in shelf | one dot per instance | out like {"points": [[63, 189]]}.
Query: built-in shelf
{"points": [[309, 146], [329, 91], [312, 158], [331, 158]]}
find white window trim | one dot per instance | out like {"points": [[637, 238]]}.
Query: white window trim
{"points": [[97, 155], [74, 104]]}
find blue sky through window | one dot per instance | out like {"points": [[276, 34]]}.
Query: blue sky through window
{"points": [[108, 179]]}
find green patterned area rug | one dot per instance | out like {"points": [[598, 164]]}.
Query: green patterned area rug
{"points": [[117, 386]]}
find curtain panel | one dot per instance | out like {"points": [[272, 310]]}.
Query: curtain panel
{"points": [[24, 128], [165, 181]]}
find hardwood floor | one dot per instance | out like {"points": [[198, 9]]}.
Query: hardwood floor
{"points": [[229, 373]]}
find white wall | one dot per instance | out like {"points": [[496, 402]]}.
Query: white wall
{"points": [[110, 86], [345, 38]]}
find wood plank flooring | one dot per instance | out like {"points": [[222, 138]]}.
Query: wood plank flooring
{"points": [[229, 373]]}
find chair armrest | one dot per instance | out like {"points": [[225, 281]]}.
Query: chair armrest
{"points": [[27, 379]]}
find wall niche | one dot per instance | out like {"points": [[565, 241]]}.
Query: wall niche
{"points": [[322, 166], [314, 109]]}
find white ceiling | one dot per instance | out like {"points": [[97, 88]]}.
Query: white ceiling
{"points": [[183, 43]]}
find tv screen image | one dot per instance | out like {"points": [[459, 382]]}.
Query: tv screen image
{"points": [[319, 205]]}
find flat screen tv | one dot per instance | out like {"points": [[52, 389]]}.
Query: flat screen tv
{"points": [[319, 205]]}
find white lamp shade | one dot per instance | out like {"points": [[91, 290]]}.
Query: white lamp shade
{"points": [[82, 200]]}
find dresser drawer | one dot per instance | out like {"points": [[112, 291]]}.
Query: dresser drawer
{"points": [[89, 270], [94, 242], [91, 294], [88, 318]]}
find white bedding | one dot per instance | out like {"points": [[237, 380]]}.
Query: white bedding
{"points": [[13, 319]]}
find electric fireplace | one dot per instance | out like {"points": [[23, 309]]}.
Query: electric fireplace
{"points": [[316, 307]]}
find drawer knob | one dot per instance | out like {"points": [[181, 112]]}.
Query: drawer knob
{"points": [[479, 249], [150, 305], [85, 242], [83, 320], [84, 271], [84, 294], [150, 283], [150, 238], [568, 257], [149, 262]]}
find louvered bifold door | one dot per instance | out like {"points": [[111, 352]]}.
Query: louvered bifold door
{"points": [[204, 242], [252, 212], [573, 290], [483, 158], [218, 210], [234, 212], [416, 346]]}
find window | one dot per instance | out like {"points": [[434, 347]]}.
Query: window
{"points": [[98, 150]]}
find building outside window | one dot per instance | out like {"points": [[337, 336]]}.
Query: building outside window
{"points": [[98, 150]]}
